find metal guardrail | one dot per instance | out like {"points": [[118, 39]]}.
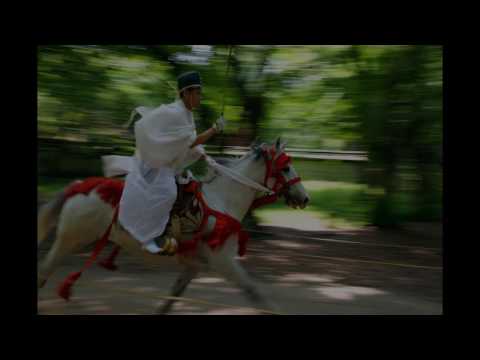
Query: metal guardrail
{"points": [[295, 153], [298, 153]]}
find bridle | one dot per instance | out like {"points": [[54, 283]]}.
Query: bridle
{"points": [[275, 166]]}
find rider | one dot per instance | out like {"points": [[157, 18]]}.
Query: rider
{"points": [[166, 142]]}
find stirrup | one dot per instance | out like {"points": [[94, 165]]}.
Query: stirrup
{"points": [[174, 232], [170, 247], [162, 245]]}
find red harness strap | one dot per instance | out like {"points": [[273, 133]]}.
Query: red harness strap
{"points": [[110, 190], [65, 289], [269, 199], [109, 262], [280, 184], [225, 226]]}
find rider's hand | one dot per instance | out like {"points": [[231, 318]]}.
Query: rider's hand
{"points": [[219, 124]]}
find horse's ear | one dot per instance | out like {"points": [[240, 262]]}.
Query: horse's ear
{"points": [[278, 144]]}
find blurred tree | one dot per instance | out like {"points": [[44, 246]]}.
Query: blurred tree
{"points": [[398, 115], [249, 77], [386, 100]]}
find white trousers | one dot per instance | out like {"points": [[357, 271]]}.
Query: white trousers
{"points": [[148, 197]]}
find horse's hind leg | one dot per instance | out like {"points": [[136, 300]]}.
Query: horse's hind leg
{"points": [[82, 220], [68, 240], [60, 249], [188, 274]]}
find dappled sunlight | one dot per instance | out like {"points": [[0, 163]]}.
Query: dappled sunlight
{"points": [[343, 292], [300, 220], [132, 313], [182, 306], [45, 303], [232, 311], [92, 303], [114, 279], [286, 244], [287, 285], [427, 252], [208, 280], [229, 290], [304, 277], [362, 126], [144, 289], [99, 309], [78, 305], [277, 259]]}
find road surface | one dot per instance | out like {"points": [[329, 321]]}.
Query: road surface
{"points": [[302, 272]]}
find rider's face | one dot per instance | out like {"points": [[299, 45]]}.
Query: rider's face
{"points": [[196, 96], [192, 98]]}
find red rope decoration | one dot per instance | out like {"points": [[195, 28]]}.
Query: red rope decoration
{"points": [[274, 171], [110, 191], [65, 289], [225, 225], [108, 263]]}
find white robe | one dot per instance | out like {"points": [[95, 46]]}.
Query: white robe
{"points": [[163, 139]]}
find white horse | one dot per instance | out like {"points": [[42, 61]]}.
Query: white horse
{"points": [[82, 219]]}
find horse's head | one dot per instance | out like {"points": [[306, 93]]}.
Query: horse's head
{"points": [[281, 176]]}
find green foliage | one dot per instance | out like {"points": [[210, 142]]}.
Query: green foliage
{"points": [[385, 100], [351, 203]]}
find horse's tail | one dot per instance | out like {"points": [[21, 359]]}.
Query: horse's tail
{"points": [[49, 214]]}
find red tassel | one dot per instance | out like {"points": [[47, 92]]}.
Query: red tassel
{"points": [[64, 290], [108, 262]]}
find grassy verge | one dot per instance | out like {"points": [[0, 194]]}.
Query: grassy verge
{"points": [[334, 204], [345, 205]]}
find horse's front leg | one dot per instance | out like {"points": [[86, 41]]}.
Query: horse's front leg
{"points": [[188, 274], [223, 261]]}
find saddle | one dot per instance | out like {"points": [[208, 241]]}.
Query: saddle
{"points": [[185, 216]]}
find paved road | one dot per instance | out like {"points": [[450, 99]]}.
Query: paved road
{"points": [[303, 272]]}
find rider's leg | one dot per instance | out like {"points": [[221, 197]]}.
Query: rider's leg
{"points": [[167, 243], [163, 244]]}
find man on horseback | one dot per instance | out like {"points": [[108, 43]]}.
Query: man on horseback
{"points": [[166, 142]]}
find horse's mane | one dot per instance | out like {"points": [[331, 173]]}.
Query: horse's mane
{"points": [[233, 161], [255, 151]]}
